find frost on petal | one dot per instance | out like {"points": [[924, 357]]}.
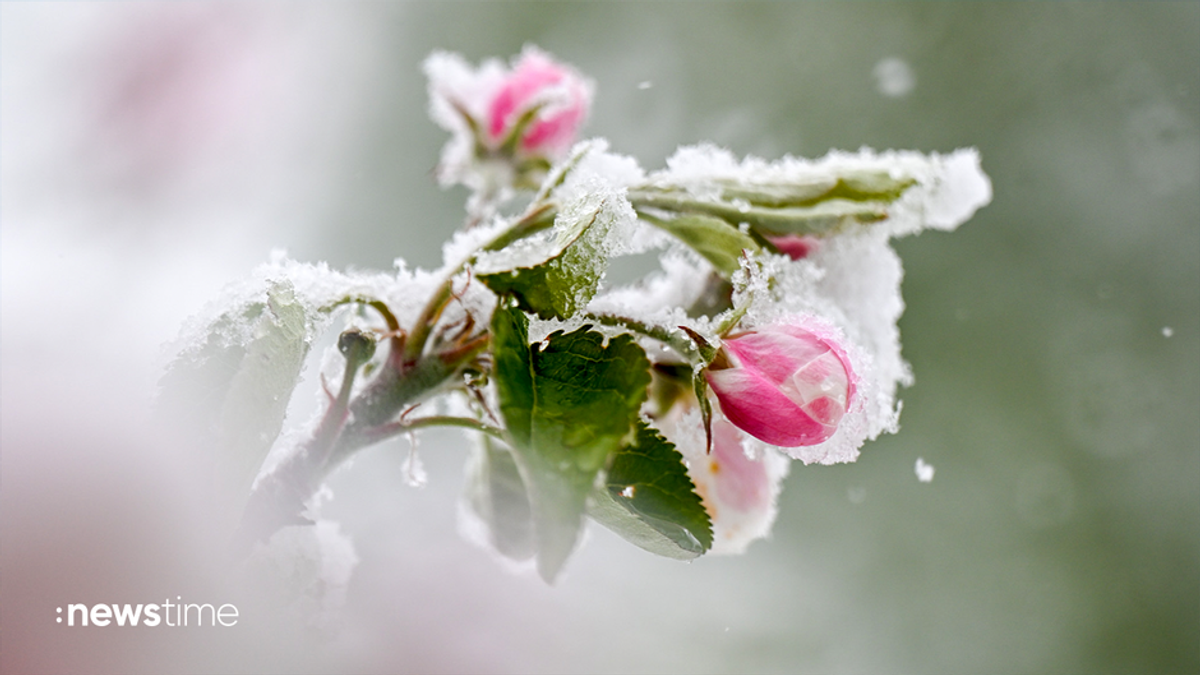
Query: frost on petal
{"points": [[868, 340], [739, 490], [852, 279], [499, 116]]}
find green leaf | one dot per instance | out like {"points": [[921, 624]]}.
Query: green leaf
{"points": [[226, 399], [649, 500], [568, 404], [555, 272], [859, 186], [714, 239], [820, 207], [497, 495]]}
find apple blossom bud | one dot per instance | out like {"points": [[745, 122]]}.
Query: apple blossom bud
{"points": [[563, 95], [794, 246], [787, 383]]}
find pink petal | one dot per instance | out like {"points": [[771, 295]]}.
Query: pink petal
{"points": [[758, 407]]}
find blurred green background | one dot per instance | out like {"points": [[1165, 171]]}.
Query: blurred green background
{"points": [[1055, 340]]}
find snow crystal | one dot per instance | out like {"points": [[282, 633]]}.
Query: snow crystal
{"points": [[659, 298], [924, 471], [592, 191], [606, 175], [894, 77]]}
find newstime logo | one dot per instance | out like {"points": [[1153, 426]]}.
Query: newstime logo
{"points": [[168, 613]]}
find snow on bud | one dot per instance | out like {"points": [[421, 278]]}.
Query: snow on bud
{"points": [[787, 384], [561, 96], [505, 121]]}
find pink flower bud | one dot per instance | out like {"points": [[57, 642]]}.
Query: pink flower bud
{"points": [[794, 246], [787, 384], [537, 80]]}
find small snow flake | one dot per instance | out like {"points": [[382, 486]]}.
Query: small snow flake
{"points": [[924, 471]]}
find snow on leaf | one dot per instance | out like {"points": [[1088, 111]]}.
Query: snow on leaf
{"points": [[552, 273], [908, 190]]}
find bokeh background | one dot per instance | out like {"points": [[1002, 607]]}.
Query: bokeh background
{"points": [[151, 153]]}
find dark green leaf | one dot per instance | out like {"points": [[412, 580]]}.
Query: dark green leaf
{"points": [[649, 500], [568, 406]]}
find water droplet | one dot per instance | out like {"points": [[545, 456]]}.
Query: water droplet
{"points": [[645, 84], [414, 470]]}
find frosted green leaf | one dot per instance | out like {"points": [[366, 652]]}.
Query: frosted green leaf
{"points": [[568, 404], [823, 218], [860, 186], [649, 500], [228, 397], [555, 272]]}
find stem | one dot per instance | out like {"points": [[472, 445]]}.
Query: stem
{"points": [[357, 349], [348, 425], [535, 220], [676, 342], [395, 428], [423, 327]]}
